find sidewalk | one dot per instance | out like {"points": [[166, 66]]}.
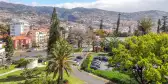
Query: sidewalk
{"points": [[17, 69]]}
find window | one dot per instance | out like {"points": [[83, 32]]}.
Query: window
{"points": [[13, 29]]}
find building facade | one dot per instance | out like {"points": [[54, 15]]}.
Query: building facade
{"points": [[19, 27], [2, 53], [21, 42], [39, 37]]}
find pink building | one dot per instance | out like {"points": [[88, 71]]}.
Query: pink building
{"points": [[39, 36], [21, 42]]}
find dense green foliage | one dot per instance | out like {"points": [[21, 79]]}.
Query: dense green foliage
{"points": [[86, 63], [78, 50], [60, 60], [31, 73], [144, 57], [9, 48], [114, 76], [112, 43], [22, 62]]}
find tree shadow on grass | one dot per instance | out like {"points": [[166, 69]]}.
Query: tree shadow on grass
{"points": [[110, 82], [12, 79]]}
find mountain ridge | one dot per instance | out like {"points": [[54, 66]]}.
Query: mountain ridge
{"points": [[35, 14]]}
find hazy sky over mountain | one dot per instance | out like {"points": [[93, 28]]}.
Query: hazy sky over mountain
{"points": [[114, 5]]}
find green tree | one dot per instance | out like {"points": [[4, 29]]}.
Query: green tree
{"points": [[101, 24], [101, 33], [144, 57], [77, 37], [22, 62], [9, 48], [159, 24], [118, 24], [31, 73], [4, 30], [54, 30], [145, 25], [164, 27], [60, 60]]}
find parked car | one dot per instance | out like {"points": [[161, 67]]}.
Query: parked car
{"points": [[105, 59], [97, 62], [96, 58], [79, 57], [77, 60], [28, 51], [94, 67]]}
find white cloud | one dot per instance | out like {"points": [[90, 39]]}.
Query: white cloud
{"points": [[34, 4], [115, 5], [4, 0], [121, 5]]}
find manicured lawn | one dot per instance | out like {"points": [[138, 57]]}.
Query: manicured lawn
{"points": [[73, 80], [15, 78], [2, 70]]}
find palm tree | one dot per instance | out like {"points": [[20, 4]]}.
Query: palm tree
{"points": [[145, 25], [60, 60]]}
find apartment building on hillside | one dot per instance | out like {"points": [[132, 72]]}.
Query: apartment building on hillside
{"points": [[19, 27]]}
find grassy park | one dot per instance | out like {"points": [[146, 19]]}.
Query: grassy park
{"points": [[16, 78], [7, 69]]}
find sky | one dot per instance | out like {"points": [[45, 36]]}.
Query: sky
{"points": [[111, 5]]}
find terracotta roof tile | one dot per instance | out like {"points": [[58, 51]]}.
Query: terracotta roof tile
{"points": [[20, 37]]}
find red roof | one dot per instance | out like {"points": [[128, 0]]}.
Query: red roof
{"points": [[20, 37]]}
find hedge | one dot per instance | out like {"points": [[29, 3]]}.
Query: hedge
{"points": [[78, 50], [87, 62]]}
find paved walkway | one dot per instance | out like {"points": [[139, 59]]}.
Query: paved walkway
{"points": [[88, 78], [17, 69]]}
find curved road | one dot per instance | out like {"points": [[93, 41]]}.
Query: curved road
{"points": [[89, 79]]}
